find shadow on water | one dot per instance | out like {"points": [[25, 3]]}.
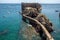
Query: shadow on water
{"points": [[4, 32]]}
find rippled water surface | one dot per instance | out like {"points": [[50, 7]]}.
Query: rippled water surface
{"points": [[11, 23]]}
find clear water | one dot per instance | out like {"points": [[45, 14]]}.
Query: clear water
{"points": [[10, 20], [50, 11]]}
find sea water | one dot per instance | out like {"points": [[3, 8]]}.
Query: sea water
{"points": [[11, 20]]}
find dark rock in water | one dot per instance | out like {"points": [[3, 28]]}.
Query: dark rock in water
{"points": [[28, 32], [3, 32], [59, 15], [56, 11], [4, 16]]}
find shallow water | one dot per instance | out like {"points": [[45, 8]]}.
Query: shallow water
{"points": [[10, 20]]}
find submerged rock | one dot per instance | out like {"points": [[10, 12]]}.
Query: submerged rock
{"points": [[4, 32], [28, 33], [4, 16], [59, 15], [56, 11]]}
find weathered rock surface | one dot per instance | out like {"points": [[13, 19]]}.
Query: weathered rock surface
{"points": [[28, 33]]}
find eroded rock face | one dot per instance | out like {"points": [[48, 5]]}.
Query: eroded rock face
{"points": [[33, 5], [28, 33]]}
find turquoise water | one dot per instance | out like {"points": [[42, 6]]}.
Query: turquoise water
{"points": [[10, 20], [49, 11]]}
